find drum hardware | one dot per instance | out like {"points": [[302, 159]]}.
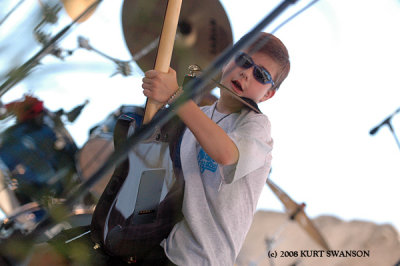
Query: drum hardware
{"points": [[188, 42], [50, 14], [56, 51], [296, 213], [21, 72], [123, 67], [387, 121], [73, 114]]}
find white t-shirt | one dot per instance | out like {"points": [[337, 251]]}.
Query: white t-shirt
{"points": [[220, 201]]}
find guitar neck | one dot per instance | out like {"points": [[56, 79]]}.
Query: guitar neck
{"points": [[164, 52]]}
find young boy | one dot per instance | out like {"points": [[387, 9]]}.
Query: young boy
{"points": [[225, 155]]}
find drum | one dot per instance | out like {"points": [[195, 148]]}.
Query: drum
{"points": [[100, 146], [37, 159]]}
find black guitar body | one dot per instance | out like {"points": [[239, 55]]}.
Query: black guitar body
{"points": [[124, 238]]}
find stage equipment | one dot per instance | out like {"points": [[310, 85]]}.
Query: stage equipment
{"points": [[388, 122], [21, 72], [37, 151], [203, 33], [296, 213], [123, 67]]}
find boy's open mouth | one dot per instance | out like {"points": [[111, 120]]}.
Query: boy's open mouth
{"points": [[237, 85]]}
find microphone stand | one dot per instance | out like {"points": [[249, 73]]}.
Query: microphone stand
{"points": [[387, 121], [20, 73], [193, 90]]}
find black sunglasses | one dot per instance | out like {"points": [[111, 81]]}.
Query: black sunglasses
{"points": [[262, 75]]}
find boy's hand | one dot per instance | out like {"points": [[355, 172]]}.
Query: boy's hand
{"points": [[159, 86]]}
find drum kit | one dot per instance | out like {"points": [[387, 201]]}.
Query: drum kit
{"points": [[39, 160]]}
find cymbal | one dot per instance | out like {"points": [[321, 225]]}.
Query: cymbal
{"points": [[296, 212], [75, 7], [203, 32]]}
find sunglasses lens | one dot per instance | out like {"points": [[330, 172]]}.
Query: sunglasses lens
{"points": [[262, 75], [243, 60]]}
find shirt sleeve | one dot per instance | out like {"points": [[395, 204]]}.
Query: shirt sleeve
{"points": [[253, 140]]}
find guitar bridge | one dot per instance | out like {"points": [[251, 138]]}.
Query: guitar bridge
{"points": [[146, 212]]}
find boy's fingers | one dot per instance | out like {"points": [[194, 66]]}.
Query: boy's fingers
{"points": [[146, 86], [150, 74], [147, 93], [146, 80]]}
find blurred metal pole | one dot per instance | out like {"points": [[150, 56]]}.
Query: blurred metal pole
{"points": [[11, 11]]}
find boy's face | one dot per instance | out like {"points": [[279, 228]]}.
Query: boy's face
{"points": [[243, 82]]}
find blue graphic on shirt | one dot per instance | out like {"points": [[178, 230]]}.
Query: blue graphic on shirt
{"points": [[206, 162]]}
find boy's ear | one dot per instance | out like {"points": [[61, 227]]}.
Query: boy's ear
{"points": [[268, 95]]}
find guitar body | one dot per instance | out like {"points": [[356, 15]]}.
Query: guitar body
{"points": [[136, 234]]}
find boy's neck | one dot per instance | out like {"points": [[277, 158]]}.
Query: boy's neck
{"points": [[228, 106]]}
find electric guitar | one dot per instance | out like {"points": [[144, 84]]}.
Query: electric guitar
{"points": [[142, 201]]}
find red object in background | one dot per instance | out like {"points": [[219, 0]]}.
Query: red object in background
{"points": [[27, 109]]}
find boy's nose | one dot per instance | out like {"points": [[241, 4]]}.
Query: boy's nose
{"points": [[244, 73]]}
